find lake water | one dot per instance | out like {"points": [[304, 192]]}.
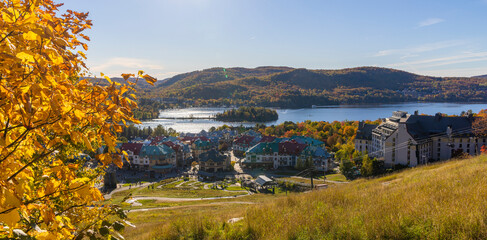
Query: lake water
{"points": [[329, 114]]}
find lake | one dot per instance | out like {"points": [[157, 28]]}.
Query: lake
{"points": [[328, 113]]}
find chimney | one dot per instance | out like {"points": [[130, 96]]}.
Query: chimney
{"points": [[449, 131], [416, 112]]}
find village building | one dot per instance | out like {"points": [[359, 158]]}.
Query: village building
{"points": [[262, 155], [182, 152], [307, 140], [412, 140], [363, 138], [201, 146], [287, 153], [133, 151], [263, 182], [161, 158], [243, 143], [213, 161], [317, 156]]}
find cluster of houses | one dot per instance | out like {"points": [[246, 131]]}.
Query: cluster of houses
{"points": [[272, 152], [165, 154], [413, 139]]}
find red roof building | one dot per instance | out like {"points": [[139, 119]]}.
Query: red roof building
{"points": [[267, 139], [132, 147], [291, 148]]}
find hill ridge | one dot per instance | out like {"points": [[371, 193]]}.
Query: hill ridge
{"points": [[288, 87]]}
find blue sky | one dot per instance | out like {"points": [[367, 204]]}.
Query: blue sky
{"points": [[167, 37]]}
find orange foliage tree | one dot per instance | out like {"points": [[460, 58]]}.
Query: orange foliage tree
{"points": [[48, 116], [479, 126]]}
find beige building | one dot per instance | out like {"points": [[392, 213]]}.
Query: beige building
{"points": [[363, 139], [212, 161], [412, 140]]}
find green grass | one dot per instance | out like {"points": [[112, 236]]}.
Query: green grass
{"points": [[287, 173], [440, 201], [337, 177], [303, 180], [151, 223], [169, 189], [234, 188]]}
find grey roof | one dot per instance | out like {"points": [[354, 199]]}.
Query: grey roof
{"points": [[213, 155], [364, 131], [263, 180], [422, 127]]}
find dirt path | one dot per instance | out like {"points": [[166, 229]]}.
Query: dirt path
{"points": [[109, 195], [168, 199], [197, 205]]}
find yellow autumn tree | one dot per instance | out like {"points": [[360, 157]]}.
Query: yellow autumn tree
{"points": [[49, 116]]}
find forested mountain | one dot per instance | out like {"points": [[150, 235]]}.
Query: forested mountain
{"points": [[481, 76], [296, 88]]}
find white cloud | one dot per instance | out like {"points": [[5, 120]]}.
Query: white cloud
{"points": [[164, 75], [436, 62], [419, 49], [430, 21], [454, 72], [125, 65]]}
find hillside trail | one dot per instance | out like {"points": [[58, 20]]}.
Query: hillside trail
{"points": [[188, 206]]}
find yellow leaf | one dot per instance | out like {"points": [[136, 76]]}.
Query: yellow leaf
{"points": [[82, 54], [149, 79], [79, 114], [127, 75], [118, 161], [10, 218], [56, 59], [25, 57], [7, 18], [30, 35], [108, 79], [87, 143], [81, 180], [11, 199], [46, 236]]}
